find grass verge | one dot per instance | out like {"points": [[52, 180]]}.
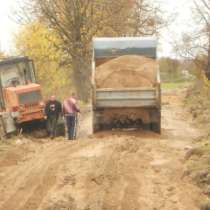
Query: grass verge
{"points": [[175, 85]]}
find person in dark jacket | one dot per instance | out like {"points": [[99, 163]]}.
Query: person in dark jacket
{"points": [[53, 110], [70, 111]]}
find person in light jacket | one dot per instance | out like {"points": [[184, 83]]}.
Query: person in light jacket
{"points": [[70, 111]]}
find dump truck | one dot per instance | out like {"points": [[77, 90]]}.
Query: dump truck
{"points": [[21, 99], [135, 101]]}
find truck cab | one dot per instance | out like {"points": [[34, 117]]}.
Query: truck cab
{"points": [[21, 99]]}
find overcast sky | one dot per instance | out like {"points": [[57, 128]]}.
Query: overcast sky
{"points": [[180, 10], [7, 26], [180, 16]]}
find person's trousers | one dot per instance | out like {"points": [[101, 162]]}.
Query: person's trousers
{"points": [[71, 125], [52, 125]]}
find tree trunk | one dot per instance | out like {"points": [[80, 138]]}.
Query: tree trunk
{"points": [[208, 57], [82, 77]]}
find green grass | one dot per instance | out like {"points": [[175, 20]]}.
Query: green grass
{"points": [[174, 85]]}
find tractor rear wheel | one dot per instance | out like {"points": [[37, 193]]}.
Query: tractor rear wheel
{"points": [[3, 134]]}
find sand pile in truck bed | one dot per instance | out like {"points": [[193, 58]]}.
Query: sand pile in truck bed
{"points": [[129, 71]]}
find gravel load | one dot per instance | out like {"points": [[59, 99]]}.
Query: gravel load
{"points": [[129, 71]]}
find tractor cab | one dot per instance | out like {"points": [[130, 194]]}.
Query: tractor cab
{"points": [[16, 71]]}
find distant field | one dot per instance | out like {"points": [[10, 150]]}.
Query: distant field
{"points": [[174, 85]]}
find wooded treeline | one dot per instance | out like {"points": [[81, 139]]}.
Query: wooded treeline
{"points": [[196, 45], [57, 34]]}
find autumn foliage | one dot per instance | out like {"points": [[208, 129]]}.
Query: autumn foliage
{"points": [[38, 42]]}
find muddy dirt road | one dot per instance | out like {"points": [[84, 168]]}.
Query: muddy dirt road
{"points": [[118, 170]]}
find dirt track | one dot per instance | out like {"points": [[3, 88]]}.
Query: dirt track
{"points": [[125, 170]]}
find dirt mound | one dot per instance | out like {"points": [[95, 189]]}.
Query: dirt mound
{"points": [[129, 71]]}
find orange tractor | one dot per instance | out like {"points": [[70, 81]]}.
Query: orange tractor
{"points": [[21, 99]]}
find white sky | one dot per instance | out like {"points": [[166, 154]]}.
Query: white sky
{"points": [[180, 10], [7, 25]]}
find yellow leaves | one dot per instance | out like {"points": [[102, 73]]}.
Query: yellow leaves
{"points": [[39, 43]]}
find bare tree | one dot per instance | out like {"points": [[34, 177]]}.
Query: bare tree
{"points": [[196, 45], [203, 11], [76, 22], [145, 18]]}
